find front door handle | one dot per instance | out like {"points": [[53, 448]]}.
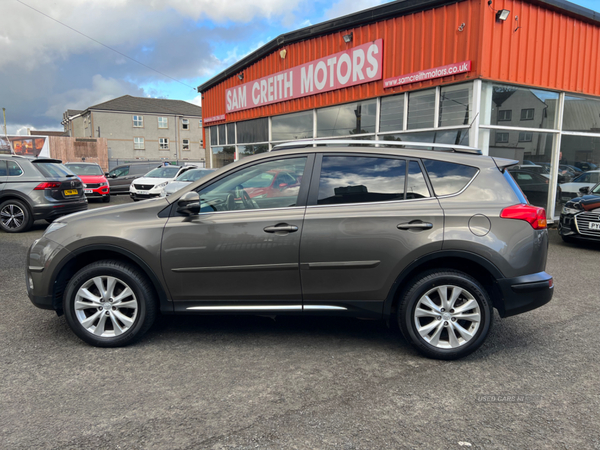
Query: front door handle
{"points": [[415, 225], [281, 227]]}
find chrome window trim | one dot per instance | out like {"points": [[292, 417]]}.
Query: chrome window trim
{"points": [[463, 189], [268, 308], [375, 203], [8, 177], [252, 210]]}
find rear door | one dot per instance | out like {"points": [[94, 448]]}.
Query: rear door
{"points": [[367, 218]]}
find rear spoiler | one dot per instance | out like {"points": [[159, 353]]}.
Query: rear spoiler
{"points": [[503, 163]]}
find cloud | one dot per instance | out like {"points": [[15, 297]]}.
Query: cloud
{"points": [[343, 8]]}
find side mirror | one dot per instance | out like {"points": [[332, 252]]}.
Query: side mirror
{"points": [[189, 203], [106, 174], [585, 190]]}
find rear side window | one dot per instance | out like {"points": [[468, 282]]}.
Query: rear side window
{"points": [[53, 170], [448, 178], [3, 171], [358, 179]]}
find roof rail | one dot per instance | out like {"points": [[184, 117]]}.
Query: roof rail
{"points": [[376, 143]]}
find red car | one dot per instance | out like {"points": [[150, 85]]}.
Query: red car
{"points": [[274, 183], [95, 184]]}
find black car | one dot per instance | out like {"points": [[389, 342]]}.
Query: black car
{"points": [[580, 217]]}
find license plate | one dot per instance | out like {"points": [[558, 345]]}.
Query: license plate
{"points": [[71, 192], [594, 225], [88, 191], [142, 192]]}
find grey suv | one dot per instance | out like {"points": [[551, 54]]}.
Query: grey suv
{"points": [[34, 189], [432, 239]]}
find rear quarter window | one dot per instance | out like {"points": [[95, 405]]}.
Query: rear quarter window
{"points": [[448, 178]]}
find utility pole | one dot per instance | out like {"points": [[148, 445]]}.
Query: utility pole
{"points": [[4, 114]]}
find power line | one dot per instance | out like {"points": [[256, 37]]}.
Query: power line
{"points": [[104, 45]]}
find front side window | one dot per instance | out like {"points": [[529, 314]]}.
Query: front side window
{"points": [[448, 178], [119, 172], [138, 143], [186, 144], [163, 144], [163, 122], [255, 187], [138, 121], [14, 170], [185, 124], [361, 179]]}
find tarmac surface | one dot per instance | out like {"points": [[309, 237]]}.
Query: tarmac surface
{"points": [[242, 382]]}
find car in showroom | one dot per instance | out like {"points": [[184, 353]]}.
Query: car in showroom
{"points": [[580, 216], [398, 233], [95, 184], [151, 184], [534, 186], [571, 190], [36, 188], [183, 180]]}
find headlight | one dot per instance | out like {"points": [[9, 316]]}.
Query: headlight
{"points": [[161, 185], [163, 193], [566, 210], [104, 183], [54, 226]]}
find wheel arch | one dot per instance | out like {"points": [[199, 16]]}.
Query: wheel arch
{"points": [[472, 264], [16, 195], [86, 255]]}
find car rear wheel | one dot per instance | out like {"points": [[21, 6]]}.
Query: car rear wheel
{"points": [[109, 304], [15, 216], [445, 314]]}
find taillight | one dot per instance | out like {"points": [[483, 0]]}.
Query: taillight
{"points": [[534, 215], [47, 185]]}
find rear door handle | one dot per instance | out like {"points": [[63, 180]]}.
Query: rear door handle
{"points": [[282, 227], [418, 225]]}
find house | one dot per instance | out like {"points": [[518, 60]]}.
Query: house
{"points": [[141, 128]]}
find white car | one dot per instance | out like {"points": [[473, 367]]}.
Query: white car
{"points": [[183, 180], [571, 190], [151, 184]]}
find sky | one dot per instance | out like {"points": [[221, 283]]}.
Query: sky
{"points": [[47, 68]]}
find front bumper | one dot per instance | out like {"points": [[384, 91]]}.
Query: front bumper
{"points": [[53, 211], [524, 293], [136, 196], [102, 191]]}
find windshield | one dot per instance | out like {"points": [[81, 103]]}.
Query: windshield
{"points": [[193, 175], [85, 169], [596, 190], [163, 172], [53, 170]]}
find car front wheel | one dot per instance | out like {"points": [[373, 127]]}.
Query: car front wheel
{"points": [[445, 314], [109, 303]]}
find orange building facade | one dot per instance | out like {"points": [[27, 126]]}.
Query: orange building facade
{"points": [[515, 78]]}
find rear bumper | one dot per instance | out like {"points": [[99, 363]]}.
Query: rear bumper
{"points": [[522, 294], [59, 209]]}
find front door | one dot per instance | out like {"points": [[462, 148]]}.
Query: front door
{"points": [[367, 218], [241, 251]]}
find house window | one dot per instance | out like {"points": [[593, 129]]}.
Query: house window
{"points": [[186, 144], [501, 138], [505, 114], [138, 121], [185, 124], [163, 144], [138, 143], [163, 122], [200, 123], [525, 136], [527, 114]]}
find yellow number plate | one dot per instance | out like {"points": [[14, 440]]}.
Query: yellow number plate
{"points": [[71, 192]]}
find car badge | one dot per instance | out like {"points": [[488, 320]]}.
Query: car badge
{"points": [[72, 184]]}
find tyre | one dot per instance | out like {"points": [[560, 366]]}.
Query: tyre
{"points": [[445, 314], [15, 216], [106, 198], [110, 303]]}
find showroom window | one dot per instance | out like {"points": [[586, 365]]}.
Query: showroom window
{"points": [[455, 105], [391, 115], [421, 109], [251, 131], [358, 179], [292, 126], [345, 120]]}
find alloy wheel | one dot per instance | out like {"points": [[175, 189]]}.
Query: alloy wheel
{"points": [[12, 216]]}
